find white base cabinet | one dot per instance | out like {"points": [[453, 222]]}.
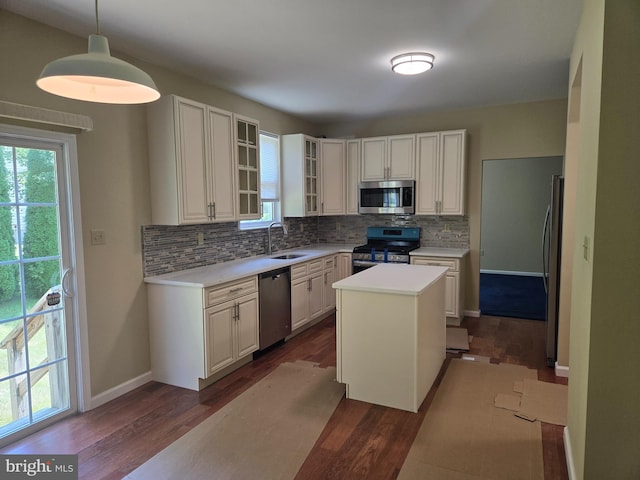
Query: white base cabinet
{"points": [[345, 267], [307, 290], [330, 275], [454, 292], [390, 345], [196, 333]]}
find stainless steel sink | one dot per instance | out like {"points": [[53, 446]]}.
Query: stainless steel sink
{"points": [[289, 256]]}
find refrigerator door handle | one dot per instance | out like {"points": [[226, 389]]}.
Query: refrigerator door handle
{"points": [[545, 260]]}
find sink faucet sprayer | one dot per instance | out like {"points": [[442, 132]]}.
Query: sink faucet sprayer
{"points": [[274, 224]]}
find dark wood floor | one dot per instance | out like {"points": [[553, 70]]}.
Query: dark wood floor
{"points": [[360, 441]]}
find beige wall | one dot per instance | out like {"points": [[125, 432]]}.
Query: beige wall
{"points": [[508, 131], [114, 188]]}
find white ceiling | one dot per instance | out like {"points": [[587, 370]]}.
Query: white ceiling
{"points": [[328, 60]]}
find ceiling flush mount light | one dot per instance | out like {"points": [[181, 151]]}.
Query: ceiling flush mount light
{"points": [[412, 63], [97, 76]]}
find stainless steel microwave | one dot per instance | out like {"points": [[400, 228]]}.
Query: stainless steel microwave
{"points": [[392, 196]]}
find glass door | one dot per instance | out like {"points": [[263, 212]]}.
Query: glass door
{"points": [[37, 363]]}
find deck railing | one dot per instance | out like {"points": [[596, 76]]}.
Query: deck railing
{"points": [[14, 344]]}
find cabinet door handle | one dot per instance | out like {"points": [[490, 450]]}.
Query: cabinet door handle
{"points": [[325, 278], [213, 205], [309, 284]]}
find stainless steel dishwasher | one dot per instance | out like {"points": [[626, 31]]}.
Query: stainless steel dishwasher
{"points": [[275, 306]]}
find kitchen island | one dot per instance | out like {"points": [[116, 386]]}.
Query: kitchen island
{"points": [[391, 333]]}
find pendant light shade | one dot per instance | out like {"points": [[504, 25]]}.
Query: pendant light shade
{"points": [[98, 77]]}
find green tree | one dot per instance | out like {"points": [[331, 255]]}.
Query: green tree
{"points": [[8, 273], [41, 231]]}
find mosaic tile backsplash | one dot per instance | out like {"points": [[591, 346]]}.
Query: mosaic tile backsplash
{"points": [[172, 248]]}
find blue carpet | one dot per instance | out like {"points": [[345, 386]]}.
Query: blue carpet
{"points": [[512, 296]]}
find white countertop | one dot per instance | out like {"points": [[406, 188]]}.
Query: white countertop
{"points": [[402, 279], [219, 273], [440, 252]]}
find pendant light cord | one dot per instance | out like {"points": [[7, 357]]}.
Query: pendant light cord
{"points": [[97, 21]]}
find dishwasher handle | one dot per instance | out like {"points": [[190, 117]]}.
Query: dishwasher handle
{"points": [[275, 274]]}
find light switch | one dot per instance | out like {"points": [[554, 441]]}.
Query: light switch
{"points": [[98, 237]]}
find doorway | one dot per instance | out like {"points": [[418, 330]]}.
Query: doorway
{"points": [[515, 196], [39, 295]]}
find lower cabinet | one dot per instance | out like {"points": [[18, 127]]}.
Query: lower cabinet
{"points": [[230, 332], [345, 266], [312, 293], [307, 285], [454, 298], [196, 333], [330, 275]]}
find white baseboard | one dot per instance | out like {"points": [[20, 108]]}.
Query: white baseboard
{"points": [[562, 371], [472, 313], [507, 272], [120, 390], [568, 453]]}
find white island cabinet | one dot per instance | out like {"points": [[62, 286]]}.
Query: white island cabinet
{"points": [[391, 333]]}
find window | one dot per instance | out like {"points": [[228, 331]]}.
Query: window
{"points": [[269, 182]]}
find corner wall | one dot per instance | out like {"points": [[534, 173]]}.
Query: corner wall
{"points": [[604, 387]]}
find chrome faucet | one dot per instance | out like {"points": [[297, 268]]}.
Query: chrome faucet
{"points": [[273, 224]]}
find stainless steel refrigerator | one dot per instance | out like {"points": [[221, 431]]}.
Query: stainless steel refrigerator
{"points": [[551, 254]]}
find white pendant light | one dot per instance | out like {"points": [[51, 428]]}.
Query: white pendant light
{"points": [[412, 63], [97, 76]]}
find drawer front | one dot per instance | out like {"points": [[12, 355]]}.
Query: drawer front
{"points": [[329, 263], [299, 270], [316, 265], [451, 263], [229, 291]]}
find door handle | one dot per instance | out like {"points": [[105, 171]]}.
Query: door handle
{"points": [[65, 275]]}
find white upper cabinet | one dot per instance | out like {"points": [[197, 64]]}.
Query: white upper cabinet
{"points": [[191, 162], [441, 173], [353, 176], [248, 167], [388, 158], [222, 176], [300, 172], [332, 176], [374, 158]]}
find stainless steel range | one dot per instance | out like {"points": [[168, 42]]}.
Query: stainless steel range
{"points": [[385, 245]]}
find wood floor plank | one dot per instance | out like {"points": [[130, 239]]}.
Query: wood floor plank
{"points": [[360, 441]]}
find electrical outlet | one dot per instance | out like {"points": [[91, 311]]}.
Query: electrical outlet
{"points": [[301, 227], [337, 226], [200, 238], [446, 227], [98, 237]]}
